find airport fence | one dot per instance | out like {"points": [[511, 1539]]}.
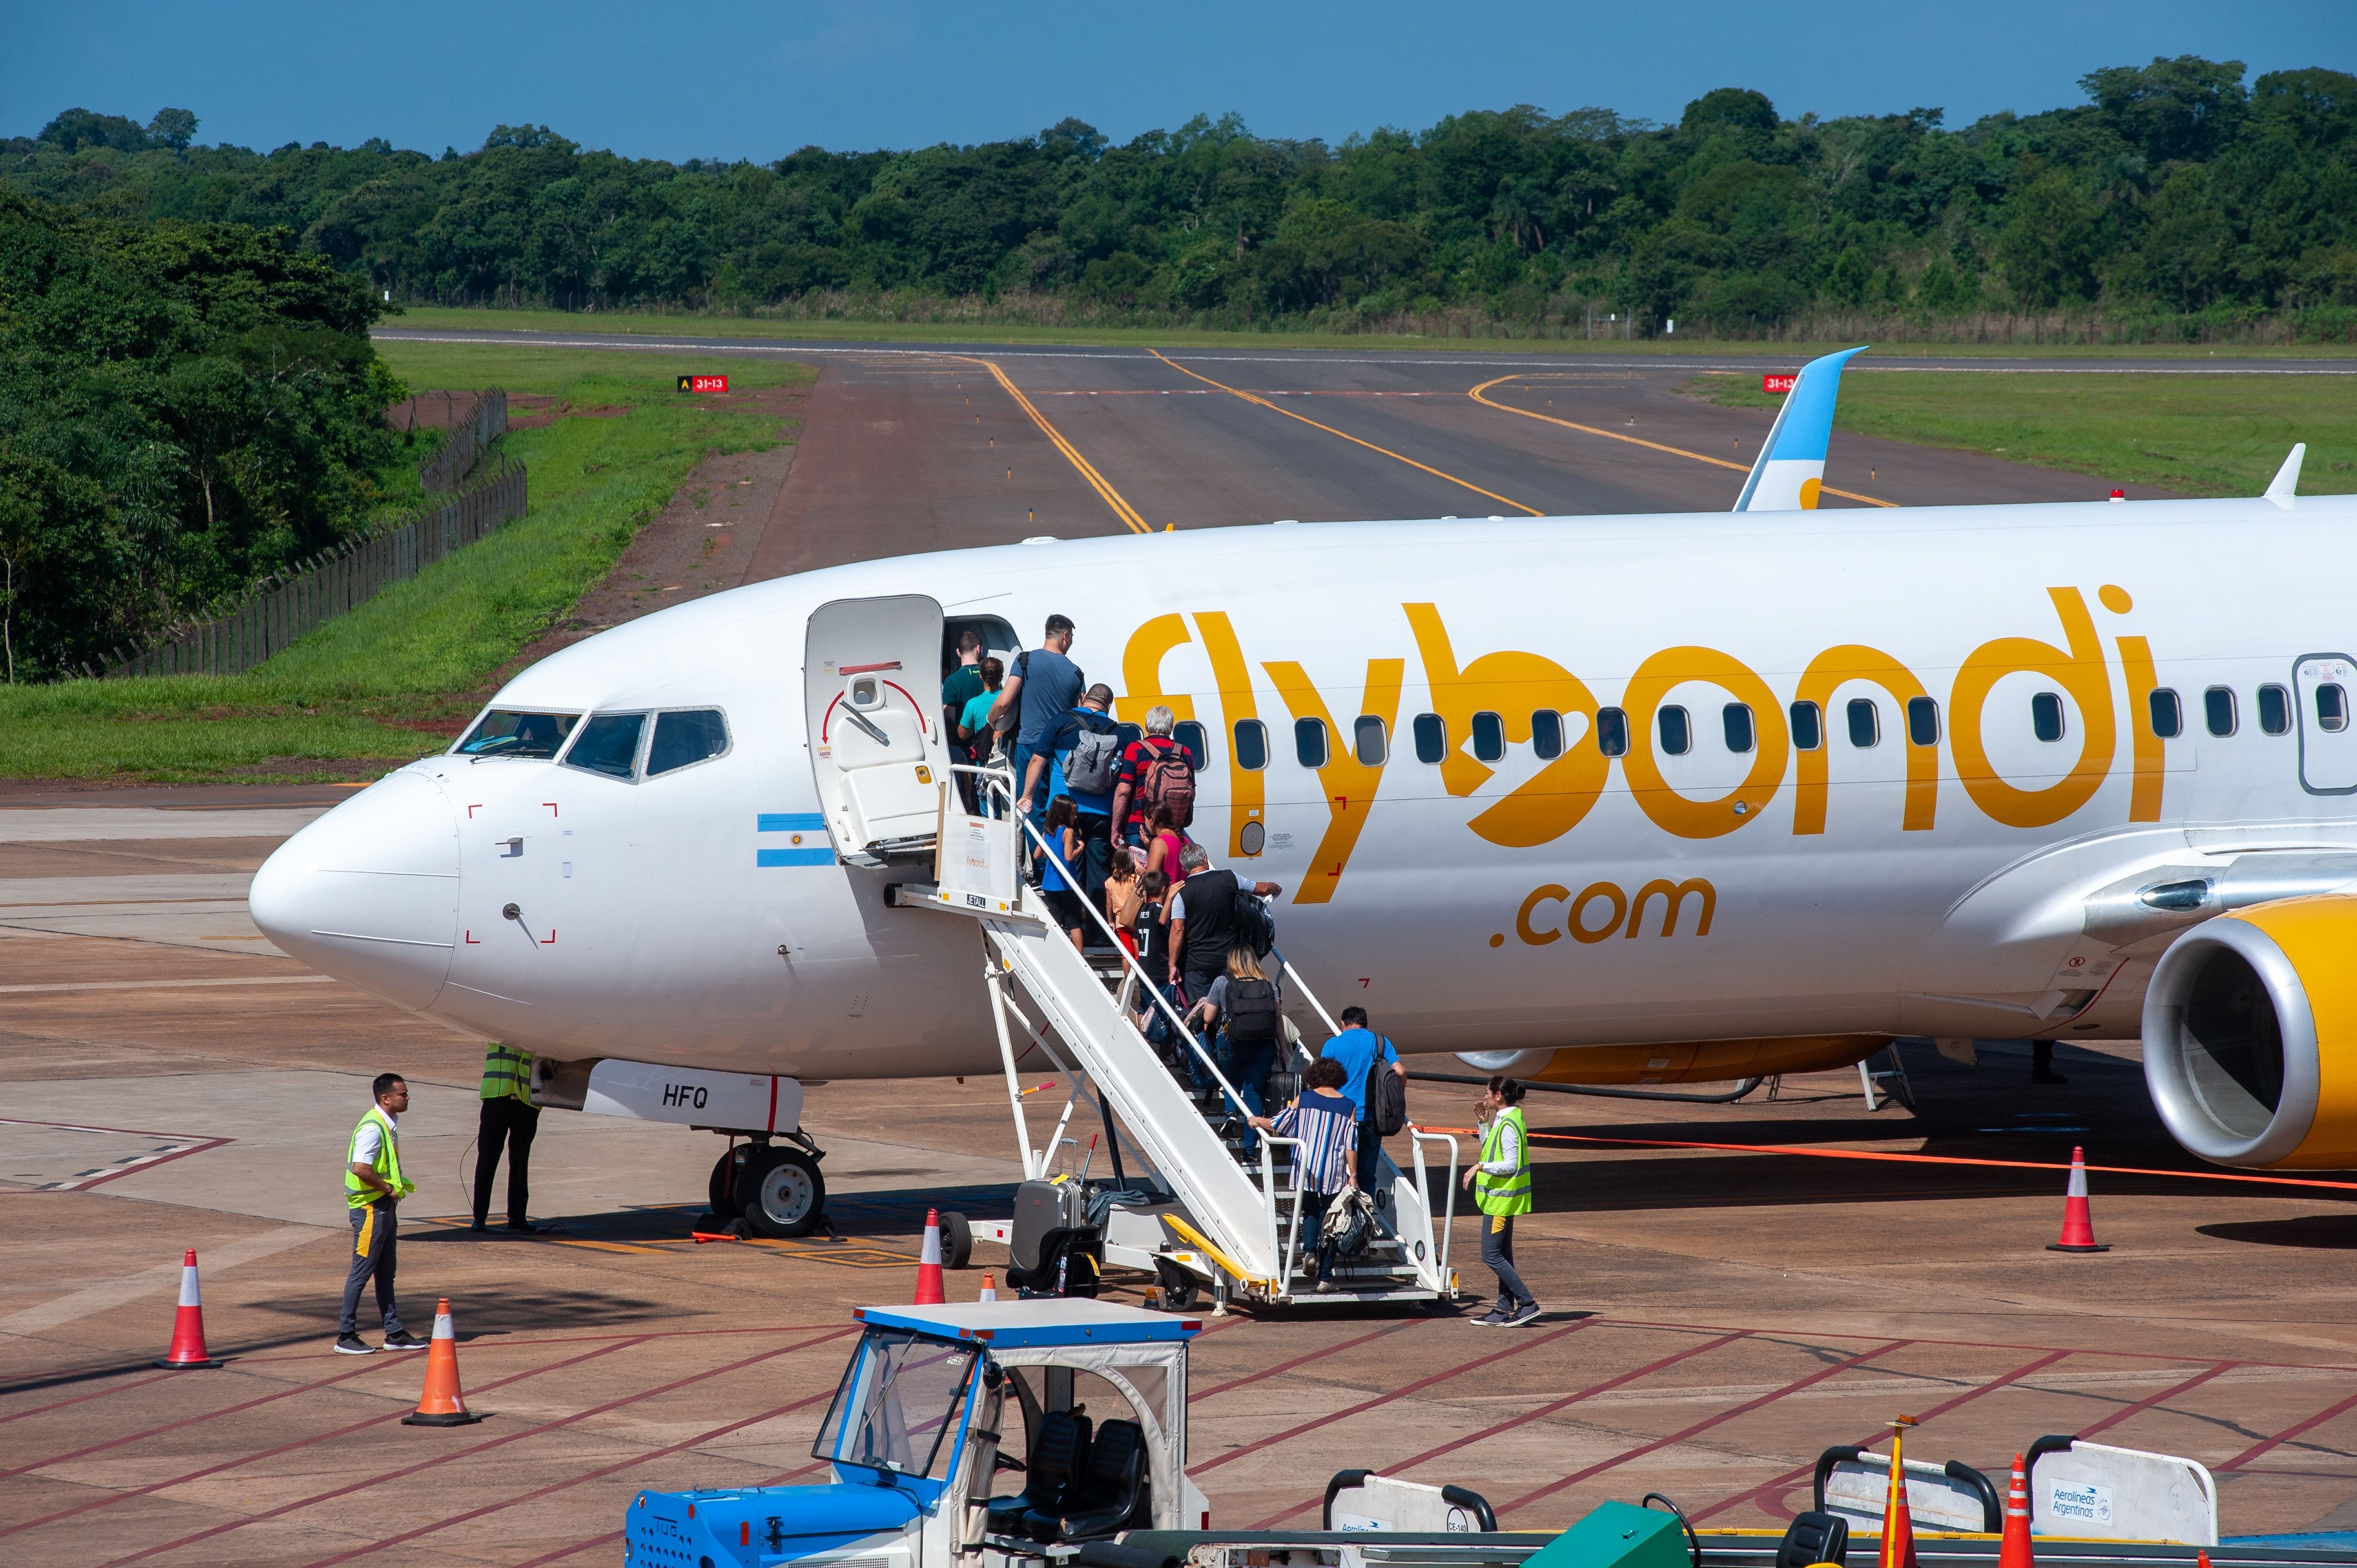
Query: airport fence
{"points": [[282, 608], [470, 440]]}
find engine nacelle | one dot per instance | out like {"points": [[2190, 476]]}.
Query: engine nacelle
{"points": [[2250, 1036]]}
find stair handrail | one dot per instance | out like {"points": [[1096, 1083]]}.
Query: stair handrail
{"points": [[1301, 986], [1292, 1248], [1417, 1138]]}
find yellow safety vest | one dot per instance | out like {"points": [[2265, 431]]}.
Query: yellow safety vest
{"points": [[507, 1073], [358, 1194], [1505, 1194]]}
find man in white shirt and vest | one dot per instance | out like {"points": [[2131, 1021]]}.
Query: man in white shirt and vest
{"points": [[509, 1118], [373, 1187]]}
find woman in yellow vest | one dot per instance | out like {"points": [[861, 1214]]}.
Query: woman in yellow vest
{"points": [[1500, 1181], [373, 1185]]}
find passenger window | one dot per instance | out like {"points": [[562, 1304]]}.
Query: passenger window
{"points": [[1190, 734], [609, 743], [1251, 745], [685, 737], [2046, 715], [2331, 708], [1489, 737], [1309, 742], [1130, 734], [1676, 731], [2167, 713], [1865, 722], [1612, 732], [1808, 726], [1546, 734], [1431, 737], [2275, 709], [1368, 742], [1737, 719], [2218, 709], [505, 733], [1923, 721]]}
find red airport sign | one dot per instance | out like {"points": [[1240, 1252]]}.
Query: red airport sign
{"points": [[702, 383], [1776, 383]]}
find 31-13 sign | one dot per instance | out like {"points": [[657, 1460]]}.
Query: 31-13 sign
{"points": [[702, 383], [1767, 383]]}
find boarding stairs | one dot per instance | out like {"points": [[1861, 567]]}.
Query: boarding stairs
{"points": [[1245, 1228]]}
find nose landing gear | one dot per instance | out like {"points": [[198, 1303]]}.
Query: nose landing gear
{"points": [[776, 1191]]}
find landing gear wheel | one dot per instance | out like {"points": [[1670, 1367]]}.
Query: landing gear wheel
{"points": [[1177, 1286], [957, 1241], [720, 1192], [782, 1197]]}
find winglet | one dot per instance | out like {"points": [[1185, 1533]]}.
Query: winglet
{"points": [[2286, 480], [1792, 465]]}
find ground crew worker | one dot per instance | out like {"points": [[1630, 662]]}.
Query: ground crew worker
{"points": [[509, 1117], [1500, 1181], [373, 1187]]}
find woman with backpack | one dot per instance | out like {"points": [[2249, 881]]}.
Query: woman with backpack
{"points": [[1501, 1180], [1326, 1120], [1244, 1003]]}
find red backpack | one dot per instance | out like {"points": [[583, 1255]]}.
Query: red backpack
{"points": [[1167, 777]]}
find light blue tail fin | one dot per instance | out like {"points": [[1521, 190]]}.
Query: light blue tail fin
{"points": [[1792, 465]]}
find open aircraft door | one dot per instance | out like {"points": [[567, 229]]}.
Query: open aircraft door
{"points": [[2327, 687], [871, 679]]}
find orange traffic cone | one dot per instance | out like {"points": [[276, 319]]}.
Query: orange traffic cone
{"points": [[1898, 1524], [989, 1287], [2078, 1221], [929, 1263], [188, 1323], [2013, 1548], [441, 1404]]}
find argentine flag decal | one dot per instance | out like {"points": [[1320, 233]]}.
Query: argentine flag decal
{"points": [[1791, 466]]}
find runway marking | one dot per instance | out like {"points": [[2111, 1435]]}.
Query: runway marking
{"points": [[2285, 1435], [1111, 498], [1256, 398], [149, 1281], [1297, 1360], [170, 984], [177, 1145], [1634, 441], [187, 1420], [2171, 1392]]}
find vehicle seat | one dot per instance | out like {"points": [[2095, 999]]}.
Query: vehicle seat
{"points": [[1108, 1492], [1058, 1452], [1813, 1538]]}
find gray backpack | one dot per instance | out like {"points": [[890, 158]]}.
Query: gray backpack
{"points": [[1094, 762]]}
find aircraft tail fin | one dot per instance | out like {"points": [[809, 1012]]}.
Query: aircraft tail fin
{"points": [[1792, 465], [2286, 480]]}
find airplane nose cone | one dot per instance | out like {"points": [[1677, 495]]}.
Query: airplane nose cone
{"points": [[369, 893]]}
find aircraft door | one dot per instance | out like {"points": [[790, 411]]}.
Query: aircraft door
{"points": [[871, 682], [2325, 689]]}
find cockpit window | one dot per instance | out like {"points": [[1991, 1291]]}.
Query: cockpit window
{"points": [[684, 736], [508, 732], [609, 745]]}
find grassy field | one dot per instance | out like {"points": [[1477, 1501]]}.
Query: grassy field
{"points": [[416, 651], [426, 317], [2210, 436]]}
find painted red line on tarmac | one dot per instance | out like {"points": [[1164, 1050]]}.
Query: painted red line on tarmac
{"points": [[468, 1453], [1364, 1405], [93, 1395], [503, 1342], [2117, 1416], [1703, 1426], [2285, 1435], [187, 1421], [1543, 1411], [1997, 1345], [1296, 1361], [112, 1498], [1794, 1477]]}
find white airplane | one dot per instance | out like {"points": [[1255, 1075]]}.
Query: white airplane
{"points": [[1649, 799]]}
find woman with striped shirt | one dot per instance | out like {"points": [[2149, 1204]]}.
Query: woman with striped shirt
{"points": [[1325, 1120]]}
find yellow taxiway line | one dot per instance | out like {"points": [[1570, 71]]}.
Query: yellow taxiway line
{"points": [[1634, 441], [1111, 498], [1329, 430]]}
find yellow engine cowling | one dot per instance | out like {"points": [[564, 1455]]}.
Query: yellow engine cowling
{"points": [[2250, 1036]]}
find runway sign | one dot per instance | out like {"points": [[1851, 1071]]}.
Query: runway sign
{"points": [[1767, 383], [720, 383]]}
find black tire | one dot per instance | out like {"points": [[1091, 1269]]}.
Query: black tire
{"points": [[1179, 1286], [957, 1241], [782, 1196], [721, 1190]]}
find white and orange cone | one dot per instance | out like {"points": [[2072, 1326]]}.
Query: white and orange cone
{"points": [[188, 1349], [1898, 1524], [2078, 1220], [989, 1287], [2013, 1548], [929, 1263], [441, 1404]]}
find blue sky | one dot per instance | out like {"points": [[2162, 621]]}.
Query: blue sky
{"points": [[734, 80]]}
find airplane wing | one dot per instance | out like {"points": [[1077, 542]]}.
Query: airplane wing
{"points": [[1791, 464]]}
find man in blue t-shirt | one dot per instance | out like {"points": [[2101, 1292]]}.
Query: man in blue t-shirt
{"points": [[1041, 691], [1359, 1048], [1094, 806]]}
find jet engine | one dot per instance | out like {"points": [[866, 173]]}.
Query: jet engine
{"points": [[2250, 1036]]}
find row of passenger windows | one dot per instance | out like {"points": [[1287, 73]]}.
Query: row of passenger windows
{"points": [[1675, 727], [620, 746]]}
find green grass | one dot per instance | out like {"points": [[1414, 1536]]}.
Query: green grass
{"points": [[485, 319], [419, 651], [2210, 436]]}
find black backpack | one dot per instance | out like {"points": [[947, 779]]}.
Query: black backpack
{"points": [[1255, 922], [1386, 1097], [1251, 1011]]}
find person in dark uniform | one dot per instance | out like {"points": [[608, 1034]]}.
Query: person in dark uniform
{"points": [[509, 1119]]}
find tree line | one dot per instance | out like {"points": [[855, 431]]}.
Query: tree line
{"points": [[2175, 194]]}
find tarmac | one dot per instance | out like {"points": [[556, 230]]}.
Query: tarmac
{"points": [[1714, 1317]]}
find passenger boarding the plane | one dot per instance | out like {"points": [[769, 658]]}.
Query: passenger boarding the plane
{"points": [[1037, 693], [1245, 1006], [1156, 770], [1203, 924], [1058, 870], [1327, 1123]]}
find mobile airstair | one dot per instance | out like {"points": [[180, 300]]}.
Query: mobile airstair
{"points": [[1245, 1230]]}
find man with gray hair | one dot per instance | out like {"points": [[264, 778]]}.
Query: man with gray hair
{"points": [[1203, 924], [1156, 770]]}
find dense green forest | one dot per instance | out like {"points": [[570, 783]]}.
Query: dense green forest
{"points": [[2177, 200], [184, 408]]}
